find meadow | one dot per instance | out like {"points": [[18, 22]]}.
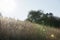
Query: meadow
{"points": [[12, 29]]}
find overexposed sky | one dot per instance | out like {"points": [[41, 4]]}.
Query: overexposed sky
{"points": [[19, 9]]}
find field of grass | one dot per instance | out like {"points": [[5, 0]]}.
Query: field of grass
{"points": [[11, 29]]}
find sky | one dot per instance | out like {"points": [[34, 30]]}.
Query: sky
{"points": [[19, 9]]}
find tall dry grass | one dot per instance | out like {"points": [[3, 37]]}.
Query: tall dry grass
{"points": [[11, 29]]}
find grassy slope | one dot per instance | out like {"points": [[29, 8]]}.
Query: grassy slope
{"points": [[11, 29]]}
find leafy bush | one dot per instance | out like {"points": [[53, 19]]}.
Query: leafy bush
{"points": [[43, 18]]}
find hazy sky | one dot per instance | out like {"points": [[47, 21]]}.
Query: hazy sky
{"points": [[20, 8]]}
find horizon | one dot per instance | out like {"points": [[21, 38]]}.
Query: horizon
{"points": [[19, 9]]}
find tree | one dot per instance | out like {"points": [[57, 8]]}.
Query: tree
{"points": [[35, 16], [42, 18], [0, 14]]}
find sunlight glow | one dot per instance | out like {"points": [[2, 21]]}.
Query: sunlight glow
{"points": [[52, 35], [7, 5], [44, 30]]}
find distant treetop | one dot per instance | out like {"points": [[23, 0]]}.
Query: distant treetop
{"points": [[0, 14]]}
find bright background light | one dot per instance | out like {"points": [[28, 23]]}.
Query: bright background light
{"points": [[7, 5], [19, 9]]}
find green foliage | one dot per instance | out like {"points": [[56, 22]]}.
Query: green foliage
{"points": [[35, 16], [43, 18]]}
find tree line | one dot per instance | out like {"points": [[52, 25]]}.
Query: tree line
{"points": [[43, 18], [40, 17]]}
